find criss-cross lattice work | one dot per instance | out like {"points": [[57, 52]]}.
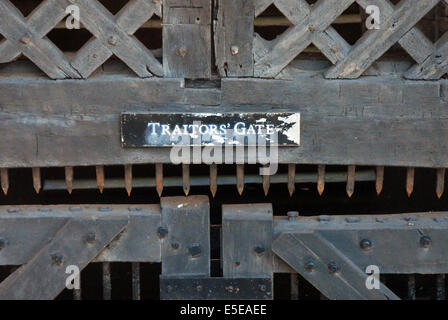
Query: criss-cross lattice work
{"points": [[312, 25], [113, 35]]}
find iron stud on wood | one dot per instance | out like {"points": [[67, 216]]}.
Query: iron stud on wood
{"points": [[4, 180]]}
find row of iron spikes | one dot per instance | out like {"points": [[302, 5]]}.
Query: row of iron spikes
{"points": [[350, 187]]}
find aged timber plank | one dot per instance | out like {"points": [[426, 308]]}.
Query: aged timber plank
{"points": [[185, 235], [379, 121], [246, 240], [233, 38], [187, 39], [76, 243]]}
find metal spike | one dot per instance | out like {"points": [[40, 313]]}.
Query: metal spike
{"points": [[69, 179], [410, 181], [320, 179], [159, 178], [213, 179], [36, 179], [266, 184], [186, 178], [379, 179], [291, 178], [440, 187], [351, 172], [128, 178], [100, 177], [240, 178], [4, 180]]}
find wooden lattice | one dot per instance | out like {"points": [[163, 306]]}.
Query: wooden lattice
{"points": [[312, 25], [113, 35]]}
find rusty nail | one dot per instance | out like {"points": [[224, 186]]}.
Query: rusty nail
{"points": [[262, 288], [425, 242], [182, 51], [162, 232], [311, 28], [26, 39], [112, 40], [235, 50], [57, 259]]}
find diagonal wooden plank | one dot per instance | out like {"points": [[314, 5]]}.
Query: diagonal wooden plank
{"points": [[77, 243], [416, 44], [296, 39], [262, 5], [100, 22], [325, 267], [435, 66], [376, 42]]}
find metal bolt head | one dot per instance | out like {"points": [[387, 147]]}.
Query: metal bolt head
{"points": [[333, 267], [2, 243], [262, 288], [324, 218], [365, 244], [199, 288], [259, 251], [26, 39], [181, 51], [162, 232], [293, 215], [195, 250], [234, 50], [175, 245], [425, 242], [112, 40], [309, 266], [91, 237], [57, 259], [229, 289], [311, 28]]}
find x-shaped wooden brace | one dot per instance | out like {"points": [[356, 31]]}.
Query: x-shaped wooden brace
{"points": [[114, 36], [397, 26], [28, 36], [435, 62], [311, 25]]}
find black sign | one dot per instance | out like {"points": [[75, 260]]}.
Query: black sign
{"points": [[206, 129]]}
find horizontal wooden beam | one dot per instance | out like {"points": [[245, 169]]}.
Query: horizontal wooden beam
{"points": [[376, 120]]}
